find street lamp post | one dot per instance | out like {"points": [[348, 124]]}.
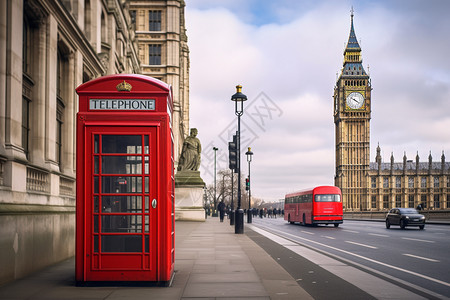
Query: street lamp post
{"points": [[249, 154], [232, 203], [239, 99], [215, 198]]}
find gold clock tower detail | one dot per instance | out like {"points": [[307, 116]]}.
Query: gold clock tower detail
{"points": [[352, 108]]}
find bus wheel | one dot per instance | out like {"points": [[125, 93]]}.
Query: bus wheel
{"points": [[336, 224], [289, 219]]}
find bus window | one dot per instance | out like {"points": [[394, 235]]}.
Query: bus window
{"points": [[328, 198]]}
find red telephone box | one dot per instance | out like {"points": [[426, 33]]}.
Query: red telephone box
{"points": [[125, 182]]}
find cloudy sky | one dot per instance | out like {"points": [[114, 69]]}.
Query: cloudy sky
{"points": [[286, 54]]}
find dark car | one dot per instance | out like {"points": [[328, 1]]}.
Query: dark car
{"points": [[405, 217]]}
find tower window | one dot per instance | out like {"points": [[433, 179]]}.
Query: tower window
{"points": [[423, 182], [154, 20], [436, 201], [436, 181], [410, 182], [385, 182], [154, 54], [374, 201]]}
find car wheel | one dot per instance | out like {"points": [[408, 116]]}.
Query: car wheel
{"points": [[336, 225], [421, 227], [388, 224], [402, 224]]}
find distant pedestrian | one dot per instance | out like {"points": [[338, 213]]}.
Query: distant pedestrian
{"points": [[221, 209]]}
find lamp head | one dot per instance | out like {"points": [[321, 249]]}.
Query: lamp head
{"points": [[249, 154], [239, 99]]}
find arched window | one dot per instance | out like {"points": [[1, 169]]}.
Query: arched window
{"points": [[104, 29]]}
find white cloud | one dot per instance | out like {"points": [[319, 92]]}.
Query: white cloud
{"points": [[293, 59]]}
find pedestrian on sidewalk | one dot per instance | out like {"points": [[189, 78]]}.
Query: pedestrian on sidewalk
{"points": [[221, 208]]}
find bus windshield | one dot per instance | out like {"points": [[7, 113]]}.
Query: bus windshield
{"points": [[327, 198]]}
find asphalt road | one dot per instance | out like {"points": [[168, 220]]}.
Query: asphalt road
{"points": [[367, 255]]}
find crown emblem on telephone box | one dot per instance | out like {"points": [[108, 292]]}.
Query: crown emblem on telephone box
{"points": [[123, 87]]}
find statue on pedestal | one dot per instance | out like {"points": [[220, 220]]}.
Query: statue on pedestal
{"points": [[188, 183], [191, 153]]}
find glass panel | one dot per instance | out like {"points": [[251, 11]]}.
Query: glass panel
{"points": [[121, 184], [96, 143], [147, 185], [95, 184], [146, 166], [96, 224], [146, 144], [146, 223], [124, 204], [147, 244], [147, 204], [95, 243], [122, 144], [121, 164], [123, 223], [121, 243], [96, 204], [95, 164]]}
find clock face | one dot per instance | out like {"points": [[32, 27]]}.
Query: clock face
{"points": [[355, 100]]}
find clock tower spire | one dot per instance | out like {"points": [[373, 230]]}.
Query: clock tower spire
{"points": [[352, 107]]}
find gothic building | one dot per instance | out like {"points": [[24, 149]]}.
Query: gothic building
{"points": [[164, 54], [376, 186], [47, 49]]}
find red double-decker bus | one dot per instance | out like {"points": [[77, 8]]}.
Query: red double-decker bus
{"points": [[320, 205]]}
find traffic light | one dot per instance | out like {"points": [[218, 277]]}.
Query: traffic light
{"points": [[247, 184], [232, 153]]}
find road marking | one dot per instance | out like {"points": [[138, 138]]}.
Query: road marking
{"points": [[376, 234], [311, 233], [351, 231], [294, 237], [420, 257], [417, 240], [363, 245], [329, 237]]}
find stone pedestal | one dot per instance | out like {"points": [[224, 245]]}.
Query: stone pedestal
{"points": [[189, 196]]}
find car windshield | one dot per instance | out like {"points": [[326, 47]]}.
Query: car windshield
{"points": [[408, 211]]}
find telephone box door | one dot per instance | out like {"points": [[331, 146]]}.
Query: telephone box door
{"points": [[121, 203]]}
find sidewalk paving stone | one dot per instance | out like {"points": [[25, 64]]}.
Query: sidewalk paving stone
{"points": [[211, 262]]}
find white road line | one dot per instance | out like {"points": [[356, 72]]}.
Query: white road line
{"points": [[351, 231], [295, 237], [417, 240], [420, 257], [329, 237], [311, 233], [363, 245], [376, 234]]}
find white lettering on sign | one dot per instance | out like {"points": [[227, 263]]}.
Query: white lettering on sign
{"points": [[122, 104]]}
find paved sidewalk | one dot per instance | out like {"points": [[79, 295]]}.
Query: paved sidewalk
{"points": [[211, 262]]}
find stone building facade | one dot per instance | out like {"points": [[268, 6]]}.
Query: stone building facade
{"points": [[47, 49], [374, 186], [164, 54]]}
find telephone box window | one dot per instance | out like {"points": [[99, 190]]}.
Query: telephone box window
{"points": [[131, 144]]}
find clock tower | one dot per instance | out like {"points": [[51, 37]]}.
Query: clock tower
{"points": [[352, 108]]}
